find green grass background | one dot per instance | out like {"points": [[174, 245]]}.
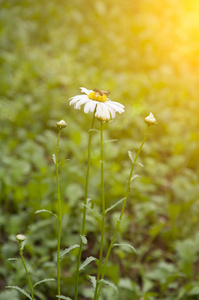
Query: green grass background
{"points": [[146, 53]]}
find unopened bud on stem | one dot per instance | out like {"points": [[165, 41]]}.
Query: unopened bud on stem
{"points": [[150, 120], [20, 238], [61, 124]]}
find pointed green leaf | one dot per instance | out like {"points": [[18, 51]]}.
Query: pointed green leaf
{"points": [[54, 158], [141, 165], [93, 130], [10, 259], [134, 176], [84, 239], [20, 290], [67, 250], [110, 284], [93, 211], [48, 211], [114, 205], [111, 141], [86, 262], [92, 279], [44, 280], [63, 297], [130, 156], [126, 245], [22, 245], [91, 202]]}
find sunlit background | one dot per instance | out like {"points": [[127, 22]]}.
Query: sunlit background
{"points": [[146, 53]]}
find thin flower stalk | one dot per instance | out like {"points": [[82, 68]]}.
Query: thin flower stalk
{"points": [[103, 213], [97, 294], [24, 264], [84, 208], [59, 214]]}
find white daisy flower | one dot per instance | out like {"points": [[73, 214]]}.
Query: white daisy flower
{"points": [[105, 108]]}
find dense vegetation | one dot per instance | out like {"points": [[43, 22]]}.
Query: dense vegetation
{"points": [[146, 53]]}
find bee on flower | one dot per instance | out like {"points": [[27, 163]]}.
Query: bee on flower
{"points": [[98, 101]]}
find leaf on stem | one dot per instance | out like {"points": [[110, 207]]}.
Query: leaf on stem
{"points": [[54, 158], [44, 280], [130, 156], [93, 211], [91, 202], [111, 141], [63, 297], [22, 245], [93, 130], [84, 239], [141, 165], [92, 279], [134, 176], [67, 250], [20, 290], [115, 204], [110, 284], [48, 211], [14, 259], [86, 262], [126, 245]]}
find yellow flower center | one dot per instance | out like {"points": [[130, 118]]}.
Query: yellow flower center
{"points": [[97, 97]]}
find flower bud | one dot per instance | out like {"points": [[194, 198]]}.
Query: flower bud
{"points": [[20, 238], [61, 124], [150, 120]]}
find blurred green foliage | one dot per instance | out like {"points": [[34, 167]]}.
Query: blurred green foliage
{"points": [[146, 53]]}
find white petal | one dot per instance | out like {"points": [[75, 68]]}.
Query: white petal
{"points": [[89, 106], [117, 103], [102, 111], [80, 102], [111, 110], [77, 98], [84, 90], [116, 106]]}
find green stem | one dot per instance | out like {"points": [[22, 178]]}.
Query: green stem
{"points": [[84, 209], [122, 212], [59, 215], [28, 277], [103, 214]]}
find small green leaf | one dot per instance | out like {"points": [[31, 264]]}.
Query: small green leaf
{"points": [[91, 202], [130, 156], [44, 280], [48, 211], [84, 239], [111, 141], [54, 158], [114, 205], [86, 262], [110, 284], [93, 211], [63, 297], [67, 250], [93, 130], [92, 279], [141, 165], [20, 290], [134, 176], [18, 259], [126, 245]]}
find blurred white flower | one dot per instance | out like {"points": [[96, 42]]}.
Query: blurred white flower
{"points": [[105, 108], [150, 120]]}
